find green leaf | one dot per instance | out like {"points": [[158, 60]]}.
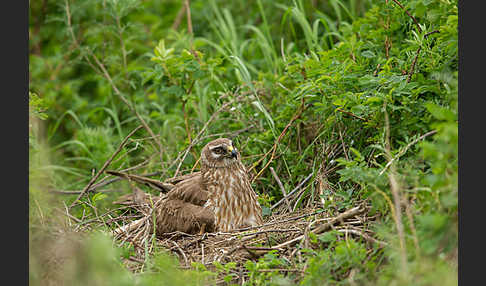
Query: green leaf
{"points": [[328, 237], [368, 54], [439, 112], [98, 197]]}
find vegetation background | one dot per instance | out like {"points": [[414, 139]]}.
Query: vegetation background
{"points": [[361, 94]]}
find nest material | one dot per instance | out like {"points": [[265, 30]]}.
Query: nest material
{"points": [[280, 233]]}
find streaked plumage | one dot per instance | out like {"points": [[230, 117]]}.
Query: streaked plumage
{"points": [[220, 197]]}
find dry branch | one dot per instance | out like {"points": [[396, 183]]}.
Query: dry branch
{"points": [[281, 188], [404, 150], [100, 171], [161, 186], [180, 158], [293, 191], [322, 228]]}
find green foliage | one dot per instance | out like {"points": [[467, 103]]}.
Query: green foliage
{"points": [[268, 262], [162, 270], [360, 74], [343, 262]]}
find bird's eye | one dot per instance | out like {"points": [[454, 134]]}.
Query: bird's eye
{"points": [[218, 150]]}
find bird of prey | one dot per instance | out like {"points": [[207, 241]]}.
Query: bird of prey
{"points": [[218, 198]]}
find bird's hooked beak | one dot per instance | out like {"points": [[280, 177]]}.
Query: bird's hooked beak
{"points": [[234, 152]]}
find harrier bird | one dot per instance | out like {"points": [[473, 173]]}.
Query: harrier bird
{"points": [[218, 198]]}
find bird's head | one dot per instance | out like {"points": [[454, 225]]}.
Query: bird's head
{"points": [[219, 153]]}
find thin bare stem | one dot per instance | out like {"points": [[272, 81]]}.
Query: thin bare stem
{"points": [[297, 114], [413, 18], [105, 165], [188, 16], [281, 188], [395, 190]]}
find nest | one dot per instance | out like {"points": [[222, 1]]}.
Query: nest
{"points": [[284, 233]]}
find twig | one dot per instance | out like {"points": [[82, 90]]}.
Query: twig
{"points": [[297, 198], [138, 165], [181, 251], [100, 171], [280, 270], [376, 70], [352, 114], [165, 187], [135, 259], [270, 230], [281, 188], [202, 252], [345, 215], [322, 228], [130, 106], [188, 16], [79, 192], [413, 18], [277, 222], [412, 67], [404, 150], [297, 114], [342, 144], [69, 215], [197, 138], [430, 33], [102, 183], [387, 47], [395, 190], [293, 191], [363, 235]]}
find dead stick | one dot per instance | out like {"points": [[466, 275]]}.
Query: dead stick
{"points": [[365, 236], [293, 191], [100, 171], [404, 150], [165, 187], [278, 222], [65, 192], [104, 183], [320, 229], [197, 138], [281, 188]]}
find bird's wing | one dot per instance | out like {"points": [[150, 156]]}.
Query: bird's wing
{"points": [[190, 191], [177, 215]]}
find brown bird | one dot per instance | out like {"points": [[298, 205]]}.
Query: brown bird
{"points": [[218, 198]]}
